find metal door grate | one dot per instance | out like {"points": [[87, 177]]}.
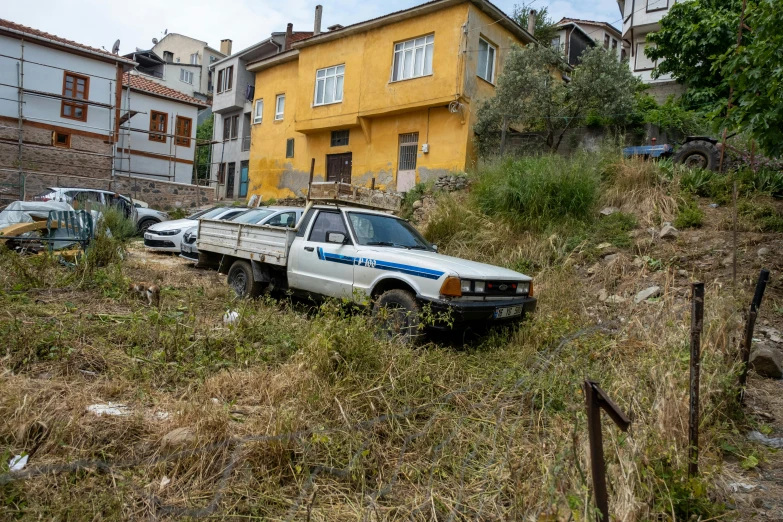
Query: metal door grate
{"points": [[409, 146]]}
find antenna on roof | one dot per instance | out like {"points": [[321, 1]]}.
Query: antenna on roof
{"points": [[115, 49], [165, 32], [154, 41]]}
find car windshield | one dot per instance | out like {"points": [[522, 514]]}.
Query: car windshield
{"points": [[379, 230], [253, 216], [208, 214]]}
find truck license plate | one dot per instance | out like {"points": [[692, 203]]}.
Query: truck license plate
{"points": [[508, 311]]}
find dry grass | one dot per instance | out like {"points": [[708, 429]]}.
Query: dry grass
{"points": [[637, 187]]}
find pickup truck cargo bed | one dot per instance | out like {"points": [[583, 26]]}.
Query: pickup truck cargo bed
{"points": [[257, 242]]}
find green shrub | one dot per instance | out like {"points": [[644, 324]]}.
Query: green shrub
{"points": [[178, 213], [690, 216], [762, 216], [614, 229], [120, 226], [537, 192], [413, 195]]}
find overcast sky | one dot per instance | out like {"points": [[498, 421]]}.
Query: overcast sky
{"points": [[100, 22]]}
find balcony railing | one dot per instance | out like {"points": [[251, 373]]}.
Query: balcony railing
{"points": [[150, 72], [245, 143]]}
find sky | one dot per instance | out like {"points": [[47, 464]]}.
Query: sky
{"points": [[99, 23]]}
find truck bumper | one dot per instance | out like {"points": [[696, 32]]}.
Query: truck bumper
{"points": [[460, 315]]}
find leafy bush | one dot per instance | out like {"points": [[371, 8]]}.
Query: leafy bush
{"points": [[536, 192], [614, 229], [120, 226], [178, 213], [690, 216], [763, 216]]}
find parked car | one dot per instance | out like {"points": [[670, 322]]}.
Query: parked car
{"points": [[77, 197], [373, 258], [149, 217], [167, 236], [272, 216]]}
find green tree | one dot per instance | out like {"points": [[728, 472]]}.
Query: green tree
{"points": [[203, 137], [534, 94], [693, 38], [545, 28]]}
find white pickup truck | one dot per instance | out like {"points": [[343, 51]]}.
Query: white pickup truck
{"points": [[372, 258]]}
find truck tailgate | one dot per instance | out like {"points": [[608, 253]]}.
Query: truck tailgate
{"points": [[257, 242]]}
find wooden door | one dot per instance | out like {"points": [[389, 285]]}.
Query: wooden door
{"points": [[338, 167]]}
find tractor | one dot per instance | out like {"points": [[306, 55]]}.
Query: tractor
{"points": [[695, 152]]}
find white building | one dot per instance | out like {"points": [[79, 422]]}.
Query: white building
{"points": [[158, 141], [641, 17], [574, 36]]}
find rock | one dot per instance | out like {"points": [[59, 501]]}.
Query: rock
{"points": [[682, 273], [603, 295], [767, 362], [763, 251], [728, 261], [608, 211], [615, 299], [178, 437], [772, 442], [647, 293], [603, 245], [417, 204], [669, 233], [611, 258]]}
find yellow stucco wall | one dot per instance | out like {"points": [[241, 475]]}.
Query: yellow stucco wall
{"points": [[374, 109]]}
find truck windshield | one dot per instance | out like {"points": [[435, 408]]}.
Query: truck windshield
{"points": [[379, 230]]}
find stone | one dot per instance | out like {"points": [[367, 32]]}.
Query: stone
{"points": [[669, 233], [638, 262], [615, 299], [603, 295], [682, 273], [608, 211], [611, 258], [767, 362], [763, 251], [417, 204], [178, 437], [728, 261], [647, 293]]}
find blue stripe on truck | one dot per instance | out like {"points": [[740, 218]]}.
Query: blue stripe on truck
{"points": [[426, 273]]}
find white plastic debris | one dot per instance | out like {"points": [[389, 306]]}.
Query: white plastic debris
{"points": [[737, 486], [162, 415], [110, 408], [165, 481], [18, 462], [231, 317]]}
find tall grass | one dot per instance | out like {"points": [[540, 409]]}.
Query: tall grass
{"points": [[540, 191]]}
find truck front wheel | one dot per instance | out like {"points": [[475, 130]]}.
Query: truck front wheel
{"points": [[240, 279], [397, 314]]}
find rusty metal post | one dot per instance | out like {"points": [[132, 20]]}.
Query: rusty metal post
{"points": [[595, 399], [697, 324], [747, 341], [310, 183], [372, 185]]}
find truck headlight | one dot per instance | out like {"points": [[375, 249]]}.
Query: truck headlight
{"points": [[478, 286], [525, 287], [465, 286]]}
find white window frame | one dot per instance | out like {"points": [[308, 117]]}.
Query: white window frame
{"points": [[409, 49], [184, 75], [194, 59], [258, 111], [322, 76], [489, 63], [278, 113]]}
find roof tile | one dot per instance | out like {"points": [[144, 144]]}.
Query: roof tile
{"points": [[143, 84]]}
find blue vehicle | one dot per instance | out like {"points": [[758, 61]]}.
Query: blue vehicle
{"points": [[696, 152]]}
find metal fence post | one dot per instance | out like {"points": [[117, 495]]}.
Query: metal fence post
{"points": [[595, 399], [747, 341], [697, 324]]}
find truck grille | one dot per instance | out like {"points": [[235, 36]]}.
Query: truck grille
{"points": [[500, 288]]}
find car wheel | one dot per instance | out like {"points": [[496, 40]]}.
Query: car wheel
{"points": [[145, 224], [397, 314], [698, 154], [240, 279]]}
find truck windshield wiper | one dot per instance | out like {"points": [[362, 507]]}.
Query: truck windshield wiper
{"points": [[386, 243], [418, 247]]}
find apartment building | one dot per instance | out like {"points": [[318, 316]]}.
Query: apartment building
{"points": [[574, 36], [232, 107], [391, 100]]}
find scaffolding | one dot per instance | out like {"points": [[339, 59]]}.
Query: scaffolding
{"points": [[118, 135]]}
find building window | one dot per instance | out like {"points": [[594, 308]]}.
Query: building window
{"points": [[556, 43], [614, 45], [486, 60], [194, 59], [329, 85], [643, 63], [289, 148], [234, 126], [279, 106], [158, 123], [185, 76], [61, 139], [656, 5], [606, 41], [258, 112], [623, 54], [168, 56], [225, 79], [340, 138], [413, 58], [183, 127], [78, 87]]}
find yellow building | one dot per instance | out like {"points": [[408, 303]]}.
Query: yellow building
{"points": [[392, 99]]}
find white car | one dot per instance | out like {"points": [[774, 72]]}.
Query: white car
{"points": [[77, 197], [148, 217], [286, 217], [167, 236]]}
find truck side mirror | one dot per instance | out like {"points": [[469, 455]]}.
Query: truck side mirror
{"points": [[335, 237]]}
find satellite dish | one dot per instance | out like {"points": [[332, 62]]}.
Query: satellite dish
{"points": [[154, 41], [115, 49]]}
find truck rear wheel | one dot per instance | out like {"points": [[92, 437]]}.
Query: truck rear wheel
{"points": [[397, 314], [699, 154], [240, 279]]}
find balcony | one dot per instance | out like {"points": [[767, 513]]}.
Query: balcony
{"points": [[245, 143]]}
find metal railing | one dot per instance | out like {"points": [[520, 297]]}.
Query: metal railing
{"points": [[245, 143]]}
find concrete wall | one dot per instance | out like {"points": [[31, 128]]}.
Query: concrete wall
{"points": [[148, 159], [230, 150], [182, 47]]}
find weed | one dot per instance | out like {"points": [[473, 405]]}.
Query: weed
{"points": [[413, 195], [761, 216], [614, 229], [690, 216], [178, 213], [120, 226]]}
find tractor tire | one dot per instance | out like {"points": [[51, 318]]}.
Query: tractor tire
{"points": [[240, 279], [698, 154], [397, 314]]}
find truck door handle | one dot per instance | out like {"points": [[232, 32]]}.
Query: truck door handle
{"points": [[309, 249]]}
